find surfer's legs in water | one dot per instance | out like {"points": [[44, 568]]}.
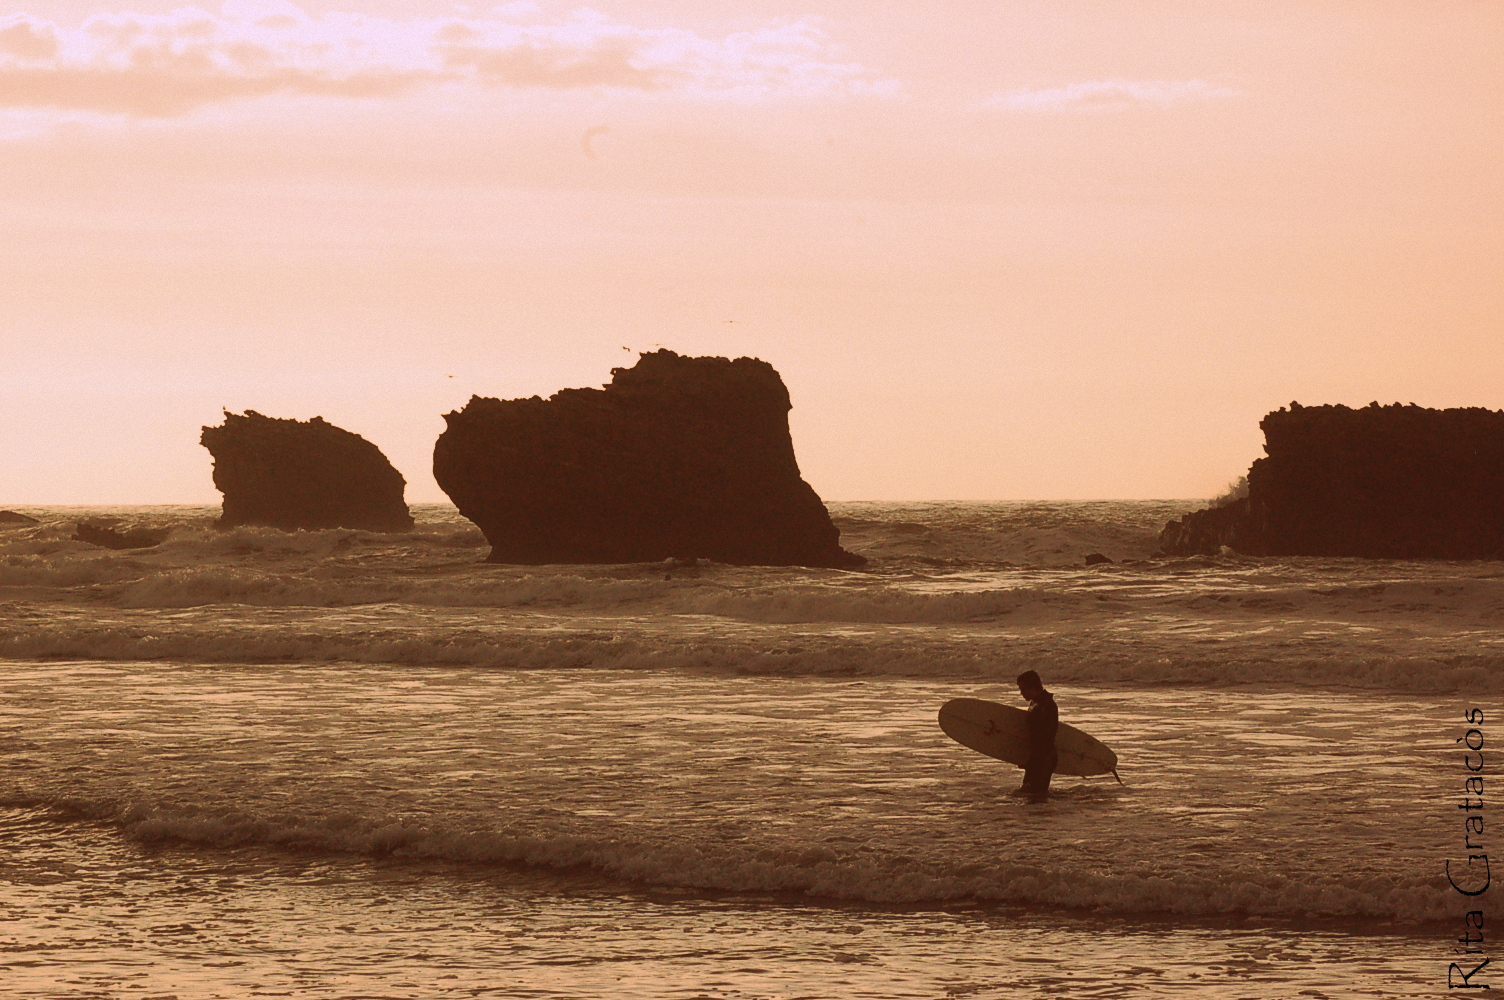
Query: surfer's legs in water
{"points": [[1037, 778]]}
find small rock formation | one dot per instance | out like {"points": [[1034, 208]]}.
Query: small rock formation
{"points": [[15, 519], [1096, 559], [677, 458], [308, 474], [1390, 482], [113, 538]]}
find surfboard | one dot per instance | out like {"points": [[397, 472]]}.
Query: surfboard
{"points": [[1002, 731]]}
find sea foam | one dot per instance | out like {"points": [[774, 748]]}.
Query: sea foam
{"points": [[812, 868], [938, 596]]}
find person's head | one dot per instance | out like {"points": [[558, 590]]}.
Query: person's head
{"points": [[1029, 684]]}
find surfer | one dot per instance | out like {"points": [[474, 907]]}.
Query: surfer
{"points": [[1044, 720]]}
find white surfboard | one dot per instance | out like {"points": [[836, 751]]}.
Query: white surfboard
{"points": [[1002, 731]]}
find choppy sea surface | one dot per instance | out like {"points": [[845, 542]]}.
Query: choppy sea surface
{"points": [[345, 764]]}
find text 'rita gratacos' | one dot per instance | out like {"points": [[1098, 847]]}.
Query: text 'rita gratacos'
{"points": [[1473, 878]]}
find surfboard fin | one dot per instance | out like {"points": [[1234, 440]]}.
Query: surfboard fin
{"points": [[1115, 775]]}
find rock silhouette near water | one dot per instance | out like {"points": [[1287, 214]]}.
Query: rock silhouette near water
{"points": [[677, 457], [307, 474], [1397, 482], [109, 537]]}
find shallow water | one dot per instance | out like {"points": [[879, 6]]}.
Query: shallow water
{"points": [[343, 764], [1267, 803], [107, 918]]}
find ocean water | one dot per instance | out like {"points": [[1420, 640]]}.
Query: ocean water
{"points": [[344, 764]]}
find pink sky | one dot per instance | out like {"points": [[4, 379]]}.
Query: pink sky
{"points": [[1009, 250]]}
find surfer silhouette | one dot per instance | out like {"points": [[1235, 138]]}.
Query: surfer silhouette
{"points": [[1044, 720]]}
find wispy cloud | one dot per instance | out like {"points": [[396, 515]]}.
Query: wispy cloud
{"points": [[1109, 95], [163, 65]]}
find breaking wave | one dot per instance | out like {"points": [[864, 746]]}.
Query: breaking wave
{"points": [[967, 589], [815, 867]]}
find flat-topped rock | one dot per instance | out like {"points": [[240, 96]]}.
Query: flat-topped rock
{"points": [[1396, 482], [677, 458], [307, 474]]}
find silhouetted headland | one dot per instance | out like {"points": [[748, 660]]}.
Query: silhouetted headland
{"points": [[308, 474], [1395, 482], [686, 458]]}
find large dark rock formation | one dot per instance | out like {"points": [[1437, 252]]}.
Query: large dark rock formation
{"points": [[1398, 482], [308, 474], [677, 458], [15, 519]]}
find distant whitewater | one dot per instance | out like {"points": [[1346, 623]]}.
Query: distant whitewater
{"points": [[968, 590]]}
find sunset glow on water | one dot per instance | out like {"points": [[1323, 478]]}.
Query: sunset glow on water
{"points": [[645, 299], [339, 761]]}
